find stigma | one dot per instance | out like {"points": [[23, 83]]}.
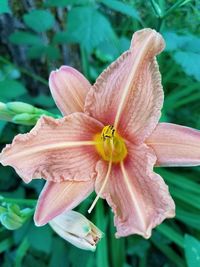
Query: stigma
{"points": [[110, 145]]}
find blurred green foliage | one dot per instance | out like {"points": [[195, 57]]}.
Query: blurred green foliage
{"points": [[89, 35]]}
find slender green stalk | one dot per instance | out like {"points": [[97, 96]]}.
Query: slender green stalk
{"points": [[84, 60], [21, 252], [25, 71], [176, 5], [160, 24]]}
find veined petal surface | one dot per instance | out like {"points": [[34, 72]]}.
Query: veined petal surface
{"points": [[138, 196], [128, 94], [55, 150], [175, 145], [69, 89], [56, 198]]}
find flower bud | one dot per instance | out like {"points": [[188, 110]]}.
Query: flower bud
{"points": [[12, 218], [25, 119], [76, 229], [20, 107], [5, 114]]}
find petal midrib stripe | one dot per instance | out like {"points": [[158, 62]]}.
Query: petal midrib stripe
{"points": [[43, 148], [130, 79]]}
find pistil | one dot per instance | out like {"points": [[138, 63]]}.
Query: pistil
{"points": [[110, 143]]}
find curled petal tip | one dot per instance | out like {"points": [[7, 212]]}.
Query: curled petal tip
{"points": [[38, 221], [156, 42]]}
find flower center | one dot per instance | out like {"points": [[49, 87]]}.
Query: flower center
{"points": [[110, 145]]}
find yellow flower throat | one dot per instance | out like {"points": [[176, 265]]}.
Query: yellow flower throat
{"points": [[110, 145]]}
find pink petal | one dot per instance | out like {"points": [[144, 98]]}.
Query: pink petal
{"points": [[138, 196], [175, 145], [56, 198], [128, 94], [68, 88], [56, 150]]}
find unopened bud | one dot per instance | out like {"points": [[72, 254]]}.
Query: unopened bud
{"points": [[2, 106], [12, 217], [20, 107], [5, 114], [25, 118], [76, 229]]}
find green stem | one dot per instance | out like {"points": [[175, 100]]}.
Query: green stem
{"points": [[25, 71], [22, 201], [84, 60], [160, 24], [172, 8]]}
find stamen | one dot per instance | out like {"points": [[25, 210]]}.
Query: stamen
{"points": [[104, 183], [102, 188]]}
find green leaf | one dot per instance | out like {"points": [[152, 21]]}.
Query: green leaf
{"points": [[122, 8], [192, 251], [89, 27], [62, 37], [6, 244], [190, 218], [26, 38], [171, 234], [64, 3], [109, 51], [4, 7], [180, 181], [21, 252], [10, 89], [186, 52], [40, 238], [38, 51], [190, 62], [39, 20], [168, 252], [52, 52], [60, 254]]}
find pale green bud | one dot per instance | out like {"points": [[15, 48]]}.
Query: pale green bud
{"points": [[12, 217], [5, 114], [25, 118], [11, 220], [20, 107], [2, 106], [76, 229]]}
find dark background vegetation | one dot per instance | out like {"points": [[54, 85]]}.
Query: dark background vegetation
{"points": [[38, 36]]}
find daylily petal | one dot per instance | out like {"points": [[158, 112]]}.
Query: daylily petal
{"points": [[58, 197], [175, 145], [56, 150], [128, 94], [68, 88], [138, 196]]}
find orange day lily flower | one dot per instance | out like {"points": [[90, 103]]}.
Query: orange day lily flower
{"points": [[108, 141]]}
